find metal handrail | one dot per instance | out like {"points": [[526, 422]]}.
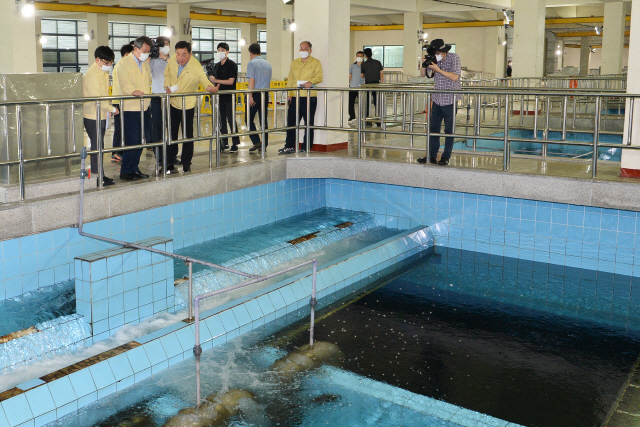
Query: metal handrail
{"points": [[197, 349]]}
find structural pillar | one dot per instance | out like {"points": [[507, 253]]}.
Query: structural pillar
{"points": [[39, 58], [585, 54], [99, 24], [494, 53], [613, 38], [177, 15], [279, 40], [528, 38], [630, 165], [248, 33], [412, 52], [326, 24], [18, 48]]}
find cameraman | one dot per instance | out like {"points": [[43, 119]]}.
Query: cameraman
{"points": [[158, 62], [446, 72]]}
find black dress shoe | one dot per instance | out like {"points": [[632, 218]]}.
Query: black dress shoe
{"points": [[141, 175], [177, 162], [443, 162], [186, 168], [107, 179], [105, 182], [129, 177]]}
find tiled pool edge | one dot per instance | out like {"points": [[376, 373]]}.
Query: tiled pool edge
{"points": [[47, 402]]}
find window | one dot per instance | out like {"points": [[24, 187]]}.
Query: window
{"points": [[64, 48], [390, 56], [205, 40], [122, 33], [262, 39]]}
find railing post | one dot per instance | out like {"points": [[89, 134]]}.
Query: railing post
{"points": [[184, 119], [429, 126], [341, 109], [506, 160], [535, 118], [20, 151], [307, 132], [216, 111], [263, 119], [167, 139], [546, 128], [313, 302], [73, 126], [404, 111], [197, 350], [297, 148], [47, 114], [411, 102], [564, 118], [596, 135], [573, 125], [630, 121], [326, 109], [190, 264], [144, 139], [360, 92]]}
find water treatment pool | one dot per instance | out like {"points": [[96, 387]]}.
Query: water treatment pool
{"points": [[517, 340]]}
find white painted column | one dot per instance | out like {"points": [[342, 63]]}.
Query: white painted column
{"points": [[18, 48], [248, 33], [326, 24], [528, 38], [177, 15], [585, 55], [494, 52], [631, 159], [99, 24], [613, 38], [279, 41], [412, 51], [39, 59]]}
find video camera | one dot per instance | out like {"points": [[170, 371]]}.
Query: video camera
{"points": [[208, 65], [155, 49], [429, 58]]}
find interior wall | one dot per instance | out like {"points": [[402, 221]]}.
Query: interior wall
{"points": [[572, 57]]}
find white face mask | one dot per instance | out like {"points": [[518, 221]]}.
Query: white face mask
{"points": [[106, 68], [143, 57], [358, 59], [221, 55], [304, 54], [438, 58], [165, 50]]}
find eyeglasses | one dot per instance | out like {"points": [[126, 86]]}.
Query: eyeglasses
{"points": [[108, 63]]}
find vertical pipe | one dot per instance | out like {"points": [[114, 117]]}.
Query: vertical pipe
{"points": [[325, 108], [275, 109], [213, 131], [168, 139], [522, 110], [165, 136], [73, 126], [307, 132], [506, 160], [297, 122], [564, 118], [535, 118], [184, 119], [573, 125], [100, 172], [233, 113], [630, 121], [383, 109], [190, 264], [360, 92], [197, 350], [198, 106], [217, 114], [395, 106], [263, 119], [476, 120], [20, 151], [596, 132], [429, 126], [404, 111], [312, 302], [546, 128], [411, 102], [341, 109], [47, 116], [122, 144], [499, 108], [247, 110]]}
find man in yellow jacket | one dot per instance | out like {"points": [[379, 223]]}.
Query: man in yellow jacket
{"points": [[183, 74], [96, 84], [305, 72], [134, 78]]}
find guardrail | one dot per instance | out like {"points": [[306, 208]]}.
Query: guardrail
{"points": [[399, 103]]}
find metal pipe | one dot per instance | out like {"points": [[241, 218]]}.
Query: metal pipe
{"points": [[297, 148], [263, 120], [522, 110], [198, 126], [564, 118], [164, 102], [476, 121], [184, 119], [98, 145], [395, 105], [20, 152], [73, 126], [313, 302], [190, 318], [122, 123], [307, 132], [411, 118], [247, 111], [341, 109], [325, 108], [360, 124], [47, 117], [233, 113], [546, 128], [169, 134], [218, 142], [630, 121], [143, 139], [404, 111], [499, 108], [596, 131], [506, 159], [428, 127], [535, 118], [213, 131], [383, 110]]}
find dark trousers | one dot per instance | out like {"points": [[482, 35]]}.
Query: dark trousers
{"points": [[227, 115], [133, 136], [117, 129], [439, 113], [156, 124], [371, 97], [292, 136], [187, 147], [353, 94], [90, 127], [258, 108]]}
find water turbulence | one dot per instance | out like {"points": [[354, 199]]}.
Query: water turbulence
{"points": [[45, 340], [267, 260]]}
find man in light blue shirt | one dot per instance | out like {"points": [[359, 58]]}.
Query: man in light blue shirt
{"points": [[157, 63], [355, 80], [259, 74]]}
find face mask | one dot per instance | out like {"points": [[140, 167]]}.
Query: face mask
{"points": [[438, 58], [165, 50], [106, 68], [304, 54], [143, 57], [358, 59], [221, 55]]}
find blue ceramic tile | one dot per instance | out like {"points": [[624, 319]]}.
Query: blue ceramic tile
{"points": [[40, 401], [120, 367], [102, 374], [82, 382], [17, 410], [62, 391]]}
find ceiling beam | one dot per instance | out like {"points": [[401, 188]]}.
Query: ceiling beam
{"points": [[583, 34]]}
